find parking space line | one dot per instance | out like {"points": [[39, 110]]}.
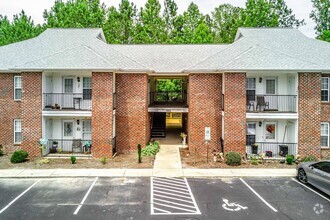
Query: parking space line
{"points": [[170, 181], [170, 184], [174, 203], [161, 210], [311, 190], [19, 196], [174, 207], [85, 197], [170, 187], [162, 188], [262, 199], [173, 198], [172, 194], [192, 197]]}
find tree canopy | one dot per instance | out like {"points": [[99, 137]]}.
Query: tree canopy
{"points": [[321, 16]]}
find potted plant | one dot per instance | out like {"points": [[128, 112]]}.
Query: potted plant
{"points": [[183, 136], [87, 147], [254, 148]]}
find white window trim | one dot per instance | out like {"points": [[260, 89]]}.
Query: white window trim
{"points": [[16, 120], [17, 88], [326, 89], [325, 123]]}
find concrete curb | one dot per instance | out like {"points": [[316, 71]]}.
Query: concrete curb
{"points": [[191, 173]]}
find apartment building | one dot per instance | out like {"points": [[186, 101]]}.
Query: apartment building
{"points": [[268, 92]]}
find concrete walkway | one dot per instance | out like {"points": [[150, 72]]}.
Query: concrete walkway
{"points": [[168, 161]]}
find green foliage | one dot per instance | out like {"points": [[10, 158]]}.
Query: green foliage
{"points": [[255, 160], [259, 13], [202, 34], [73, 159], [310, 158], [1, 151], [139, 153], [151, 149], [289, 159], [321, 16], [286, 18], [104, 160], [19, 156], [325, 36], [233, 159]]}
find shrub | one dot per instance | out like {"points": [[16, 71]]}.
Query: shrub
{"points": [[73, 159], [289, 159], [19, 156], [151, 149], [104, 160], [254, 161], [1, 152], [310, 158], [233, 159]]}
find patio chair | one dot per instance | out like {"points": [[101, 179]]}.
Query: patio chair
{"points": [[249, 103], [261, 102], [76, 146]]}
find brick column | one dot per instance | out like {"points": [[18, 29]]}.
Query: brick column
{"points": [[102, 110], [235, 112], [309, 121], [31, 112], [132, 118], [204, 111]]}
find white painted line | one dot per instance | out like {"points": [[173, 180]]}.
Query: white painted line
{"points": [[160, 188], [174, 203], [85, 197], [187, 197], [174, 207], [161, 210], [311, 190], [170, 184], [174, 178], [152, 195], [192, 197], [170, 187], [19, 196], [170, 181], [173, 198], [262, 199]]}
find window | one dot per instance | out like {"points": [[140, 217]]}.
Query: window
{"points": [[68, 129], [323, 166], [251, 89], [324, 89], [250, 133], [17, 131], [87, 130], [87, 88], [68, 85], [324, 134], [17, 88]]}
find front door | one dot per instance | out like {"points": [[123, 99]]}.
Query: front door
{"points": [[68, 92], [270, 138], [68, 135], [270, 92]]}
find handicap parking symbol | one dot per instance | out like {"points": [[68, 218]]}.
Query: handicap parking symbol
{"points": [[234, 207]]}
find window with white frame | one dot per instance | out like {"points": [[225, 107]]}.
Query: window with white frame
{"points": [[17, 88], [325, 89], [87, 88], [87, 130], [325, 134], [250, 133], [251, 88], [17, 131]]}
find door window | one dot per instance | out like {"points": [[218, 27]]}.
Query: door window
{"points": [[270, 131], [270, 86], [68, 85], [68, 129]]}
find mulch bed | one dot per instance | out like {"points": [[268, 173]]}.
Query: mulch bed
{"points": [[190, 160]]}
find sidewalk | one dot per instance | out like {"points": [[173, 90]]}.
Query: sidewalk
{"points": [[197, 173], [168, 161]]}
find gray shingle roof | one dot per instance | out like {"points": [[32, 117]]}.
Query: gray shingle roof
{"points": [[253, 49]]}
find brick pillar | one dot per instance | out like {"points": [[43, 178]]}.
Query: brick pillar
{"points": [[309, 121], [235, 112], [31, 112], [132, 118], [102, 110], [204, 111]]}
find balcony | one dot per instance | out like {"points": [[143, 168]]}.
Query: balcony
{"points": [[168, 99], [272, 149], [271, 103], [67, 101], [62, 147]]}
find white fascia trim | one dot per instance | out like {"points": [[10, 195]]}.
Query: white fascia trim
{"points": [[272, 115], [67, 113]]}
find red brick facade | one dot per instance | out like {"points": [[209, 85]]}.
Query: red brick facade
{"points": [[102, 112], [309, 121], [9, 110], [204, 111], [235, 112], [132, 118]]}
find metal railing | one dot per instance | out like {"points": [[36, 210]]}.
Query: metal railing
{"points": [[58, 101], [68, 146], [271, 103], [272, 149], [168, 98]]}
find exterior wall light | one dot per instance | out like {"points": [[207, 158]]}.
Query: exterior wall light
{"points": [[260, 123], [260, 80], [78, 79]]}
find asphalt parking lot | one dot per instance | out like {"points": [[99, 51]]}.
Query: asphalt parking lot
{"points": [[162, 198]]}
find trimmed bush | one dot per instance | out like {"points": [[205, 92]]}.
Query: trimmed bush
{"points": [[73, 159], [151, 149], [19, 156], [289, 159], [233, 159], [310, 158]]}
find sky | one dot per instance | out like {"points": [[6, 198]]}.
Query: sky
{"points": [[35, 8]]}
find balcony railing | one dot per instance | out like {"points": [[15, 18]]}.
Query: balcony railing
{"points": [[71, 101], [168, 98], [273, 149], [271, 103], [68, 146]]}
